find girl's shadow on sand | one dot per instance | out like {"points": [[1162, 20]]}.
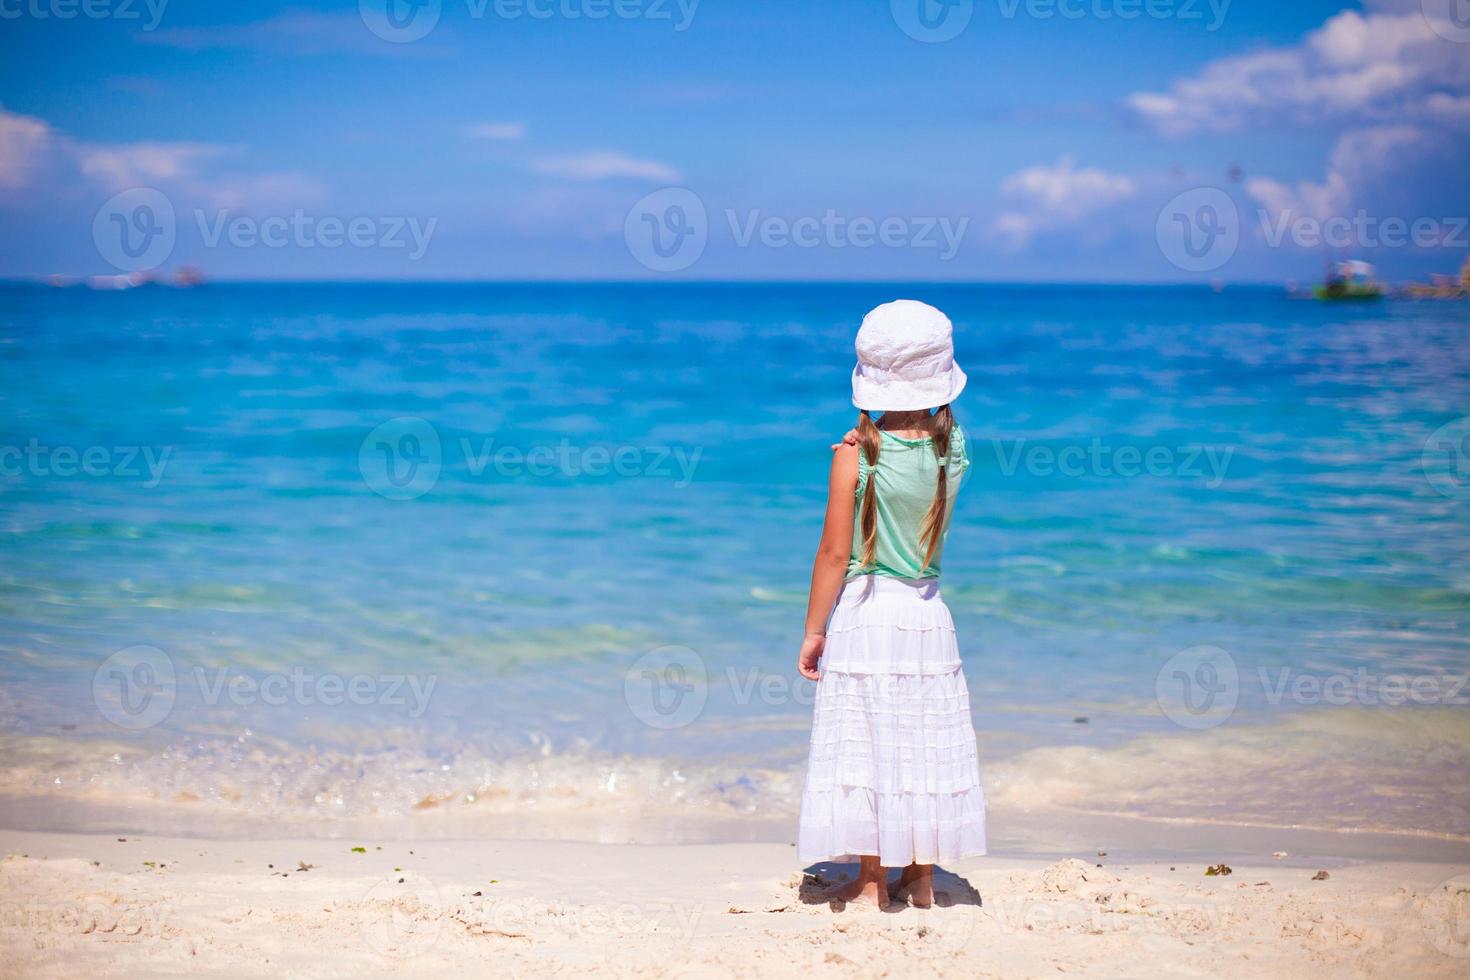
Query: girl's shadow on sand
{"points": [[949, 888]]}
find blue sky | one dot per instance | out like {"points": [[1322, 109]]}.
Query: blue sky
{"points": [[1045, 140]]}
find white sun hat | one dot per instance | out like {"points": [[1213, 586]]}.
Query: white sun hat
{"points": [[905, 353]]}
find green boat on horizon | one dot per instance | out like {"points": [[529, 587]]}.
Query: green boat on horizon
{"points": [[1352, 279]]}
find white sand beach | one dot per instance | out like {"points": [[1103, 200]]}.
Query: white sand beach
{"points": [[122, 906]]}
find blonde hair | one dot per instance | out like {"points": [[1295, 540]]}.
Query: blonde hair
{"points": [[932, 528]]}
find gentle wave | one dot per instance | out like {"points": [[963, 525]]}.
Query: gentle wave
{"points": [[1394, 772]]}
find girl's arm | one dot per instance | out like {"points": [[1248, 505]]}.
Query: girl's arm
{"points": [[830, 566]]}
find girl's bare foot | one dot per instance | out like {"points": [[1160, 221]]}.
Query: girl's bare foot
{"points": [[917, 885], [869, 888], [861, 891]]}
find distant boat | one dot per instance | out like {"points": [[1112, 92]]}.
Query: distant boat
{"points": [[186, 276], [1351, 279], [1443, 286]]}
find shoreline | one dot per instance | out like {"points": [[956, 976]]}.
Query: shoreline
{"points": [[1363, 784], [1043, 832], [92, 904]]}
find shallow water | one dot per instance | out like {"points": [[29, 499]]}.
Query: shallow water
{"points": [[377, 552]]}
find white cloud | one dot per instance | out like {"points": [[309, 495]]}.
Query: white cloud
{"points": [[587, 212], [1394, 92], [1379, 67], [266, 193], [496, 131], [1454, 109], [1054, 196], [192, 174], [1360, 160], [22, 141], [121, 166], [606, 165], [184, 169], [1307, 199], [301, 32]]}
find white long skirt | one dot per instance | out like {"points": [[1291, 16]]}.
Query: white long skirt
{"points": [[892, 770]]}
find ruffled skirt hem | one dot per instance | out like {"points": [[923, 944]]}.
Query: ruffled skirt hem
{"points": [[899, 829]]}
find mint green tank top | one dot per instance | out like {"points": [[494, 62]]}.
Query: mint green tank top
{"points": [[904, 478]]}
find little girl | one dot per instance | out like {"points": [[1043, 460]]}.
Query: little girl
{"points": [[892, 775]]}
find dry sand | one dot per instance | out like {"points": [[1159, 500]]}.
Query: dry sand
{"points": [[97, 906]]}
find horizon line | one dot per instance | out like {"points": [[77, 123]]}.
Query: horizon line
{"points": [[76, 280]]}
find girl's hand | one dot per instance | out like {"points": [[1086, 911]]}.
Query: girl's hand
{"points": [[848, 440], [811, 651]]}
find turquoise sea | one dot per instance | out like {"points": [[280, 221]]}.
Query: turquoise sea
{"points": [[532, 558]]}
